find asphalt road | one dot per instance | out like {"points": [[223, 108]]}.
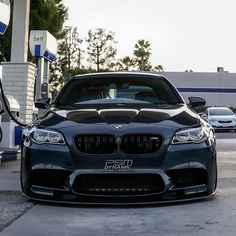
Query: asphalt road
{"points": [[216, 216]]}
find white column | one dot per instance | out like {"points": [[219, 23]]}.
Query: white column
{"points": [[20, 31], [18, 81], [19, 75]]}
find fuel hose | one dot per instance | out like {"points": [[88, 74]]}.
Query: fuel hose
{"points": [[8, 110]]}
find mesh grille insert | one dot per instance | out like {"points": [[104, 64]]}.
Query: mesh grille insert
{"points": [[141, 144], [118, 184], [96, 144]]}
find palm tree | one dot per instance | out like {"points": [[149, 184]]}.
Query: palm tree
{"points": [[159, 68], [142, 52], [126, 63]]}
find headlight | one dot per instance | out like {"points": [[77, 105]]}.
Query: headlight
{"points": [[211, 119], [47, 136], [194, 135]]}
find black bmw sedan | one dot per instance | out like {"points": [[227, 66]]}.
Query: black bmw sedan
{"points": [[118, 138]]}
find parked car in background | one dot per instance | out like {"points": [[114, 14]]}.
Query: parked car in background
{"points": [[220, 118]]}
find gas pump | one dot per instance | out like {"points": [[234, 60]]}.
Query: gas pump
{"points": [[43, 46], [8, 126]]}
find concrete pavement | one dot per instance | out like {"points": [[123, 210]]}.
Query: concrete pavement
{"points": [[12, 203], [10, 176], [209, 217]]}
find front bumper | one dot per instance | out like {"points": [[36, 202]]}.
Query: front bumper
{"points": [[181, 173], [223, 126], [69, 195]]}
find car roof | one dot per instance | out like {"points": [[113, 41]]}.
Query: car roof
{"points": [[119, 73]]}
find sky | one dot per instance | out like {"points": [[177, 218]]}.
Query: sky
{"points": [[198, 35]]}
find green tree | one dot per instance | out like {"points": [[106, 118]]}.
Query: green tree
{"points": [[143, 51], [48, 15], [44, 15], [69, 49], [56, 79], [101, 49], [5, 41], [126, 63], [69, 58], [188, 71], [158, 68]]}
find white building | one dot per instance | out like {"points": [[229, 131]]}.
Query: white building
{"points": [[218, 89]]}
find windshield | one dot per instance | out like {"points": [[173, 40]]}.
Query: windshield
{"points": [[220, 112], [119, 90]]}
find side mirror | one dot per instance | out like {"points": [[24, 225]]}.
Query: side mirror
{"points": [[42, 103], [204, 116], [196, 102]]}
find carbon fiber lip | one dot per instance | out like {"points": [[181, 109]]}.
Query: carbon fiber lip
{"points": [[124, 204]]}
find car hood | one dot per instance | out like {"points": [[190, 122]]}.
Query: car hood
{"points": [[175, 116], [223, 118]]}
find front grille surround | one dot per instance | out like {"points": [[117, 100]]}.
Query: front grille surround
{"points": [[128, 144]]}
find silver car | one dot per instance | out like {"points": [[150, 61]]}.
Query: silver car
{"points": [[220, 118]]}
